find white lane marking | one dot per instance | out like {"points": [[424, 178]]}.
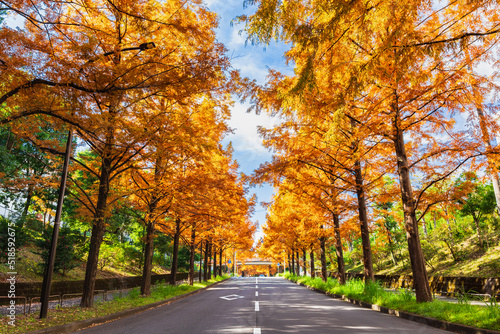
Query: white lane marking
{"points": [[256, 293], [256, 331], [257, 307], [256, 286]]}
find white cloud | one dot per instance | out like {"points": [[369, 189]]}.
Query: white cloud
{"points": [[237, 39], [245, 137]]}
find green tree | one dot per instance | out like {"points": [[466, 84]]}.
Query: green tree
{"points": [[70, 249], [19, 235], [478, 204]]}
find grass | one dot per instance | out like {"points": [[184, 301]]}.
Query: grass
{"points": [[486, 317], [66, 315]]}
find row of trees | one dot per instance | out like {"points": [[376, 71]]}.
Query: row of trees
{"points": [[145, 86], [385, 103]]}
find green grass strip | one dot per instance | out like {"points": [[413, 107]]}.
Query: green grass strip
{"points": [[67, 315], [485, 317]]}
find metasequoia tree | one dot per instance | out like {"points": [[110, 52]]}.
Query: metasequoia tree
{"points": [[187, 141], [87, 53], [399, 69], [292, 225], [345, 156]]}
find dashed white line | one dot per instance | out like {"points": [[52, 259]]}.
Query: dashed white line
{"points": [[257, 308]]}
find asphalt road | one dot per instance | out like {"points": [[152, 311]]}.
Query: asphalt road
{"points": [[260, 305]]}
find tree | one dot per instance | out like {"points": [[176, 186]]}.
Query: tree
{"points": [[477, 203], [70, 248], [87, 75], [369, 54]]}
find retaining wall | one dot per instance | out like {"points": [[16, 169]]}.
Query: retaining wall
{"points": [[445, 285], [34, 289]]}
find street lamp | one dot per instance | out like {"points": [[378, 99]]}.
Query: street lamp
{"points": [[47, 278], [141, 47]]}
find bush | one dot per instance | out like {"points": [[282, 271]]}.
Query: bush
{"points": [[19, 236], [69, 251], [33, 227]]}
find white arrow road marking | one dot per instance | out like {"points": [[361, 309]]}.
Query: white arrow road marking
{"points": [[231, 297]]}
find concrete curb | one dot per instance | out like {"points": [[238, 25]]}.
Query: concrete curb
{"points": [[78, 325], [449, 326]]}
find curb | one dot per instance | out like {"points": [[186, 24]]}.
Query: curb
{"points": [[82, 324], [449, 326]]}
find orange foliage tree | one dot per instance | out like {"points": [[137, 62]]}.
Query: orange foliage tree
{"points": [[91, 64], [398, 72]]}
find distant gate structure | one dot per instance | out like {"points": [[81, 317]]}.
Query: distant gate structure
{"points": [[269, 266]]}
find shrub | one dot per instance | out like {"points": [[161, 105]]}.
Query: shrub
{"points": [[69, 249], [19, 236]]}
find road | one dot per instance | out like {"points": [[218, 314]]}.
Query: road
{"points": [[256, 306]]}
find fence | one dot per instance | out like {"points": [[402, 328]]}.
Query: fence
{"points": [[32, 290]]}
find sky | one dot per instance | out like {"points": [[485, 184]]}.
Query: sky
{"points": [[254, 62]]}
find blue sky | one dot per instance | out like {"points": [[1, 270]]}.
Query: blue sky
{"points": [[253, 61]]}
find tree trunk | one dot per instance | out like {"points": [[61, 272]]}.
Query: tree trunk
{"points": [[424, 227], [420, 279], [29, 196], [304, 261], [148, 260], [210, 259], [9, 144], [478, 230], [205, 264], [97, 230], [215, 260], [192, 249], [175, 255], [322, 243], [297, 257], [311, 255], [363, 222], [338, 249], [149, 245], [220, 261], [201, 259], [293, 261]]}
